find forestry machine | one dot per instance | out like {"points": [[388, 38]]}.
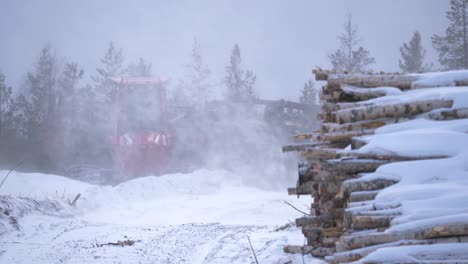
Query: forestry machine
{"points": [[143, 140]]}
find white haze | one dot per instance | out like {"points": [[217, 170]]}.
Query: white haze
{"points": [[281, 41]]}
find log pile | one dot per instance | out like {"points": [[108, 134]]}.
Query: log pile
{"points": [[345, 224]]}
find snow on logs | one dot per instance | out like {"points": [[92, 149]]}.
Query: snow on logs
{"points": [[345, 223]]}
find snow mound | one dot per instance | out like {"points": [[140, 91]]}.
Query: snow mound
{"points": [[203, 196]]}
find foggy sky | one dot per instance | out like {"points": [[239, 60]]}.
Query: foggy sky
{"points": [[280, 40]]}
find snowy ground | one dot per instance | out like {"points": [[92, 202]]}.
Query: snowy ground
{"points": [[203, 217]]}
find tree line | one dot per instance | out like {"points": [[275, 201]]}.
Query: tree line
{"points": [[452, 46], [452, 49], [55, 120]]}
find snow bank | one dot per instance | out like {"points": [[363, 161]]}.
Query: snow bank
{"points": [[440, 79], [200, 197]]}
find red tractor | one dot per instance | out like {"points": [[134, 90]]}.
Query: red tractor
{"points": [[143, 138]]}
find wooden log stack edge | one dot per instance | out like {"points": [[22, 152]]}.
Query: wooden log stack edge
{"points": [[345, 224]]}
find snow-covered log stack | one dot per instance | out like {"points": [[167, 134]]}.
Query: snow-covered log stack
{"points": [[387, 169]]}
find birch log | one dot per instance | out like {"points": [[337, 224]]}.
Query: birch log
{"points": [[435, 231], [369, 81], [390, 110], [356, 254], [361, 222], [371, 185], [341, 136], [361, 125]]}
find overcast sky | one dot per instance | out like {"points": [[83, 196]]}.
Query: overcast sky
{"points": [[280, 40]]}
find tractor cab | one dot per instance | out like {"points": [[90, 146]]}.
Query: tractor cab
{"points": [[142, 140]]}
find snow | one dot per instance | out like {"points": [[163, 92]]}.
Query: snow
{"points": [[458, 94], [200, 217], [439, 79], [428, 192], [426, 189], [444, 253], [383, 90]]}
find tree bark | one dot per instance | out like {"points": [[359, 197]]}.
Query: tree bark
{"points": [[358, 142], [360, 222], [312, 221], [436, 231], [358, 126], [360, 186], [353, 166], [301, 147], [345, 136], [362, 196], [459, 113], [390, 110], [357, 254]]}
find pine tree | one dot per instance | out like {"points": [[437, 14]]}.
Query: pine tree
{"points": [[100, 96], [239, 83], [140, 69], [192, 92], [41, 86], [453, 46], [10, 137], [412, 55], [6, 104], [350, 57], [309, 94], [199, 76], [22, 110]]}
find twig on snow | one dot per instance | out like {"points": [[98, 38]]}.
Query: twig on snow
{"points": [[73, 203], [253, 251]]}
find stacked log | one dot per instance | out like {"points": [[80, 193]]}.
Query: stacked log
{"points": [[345, 224]]}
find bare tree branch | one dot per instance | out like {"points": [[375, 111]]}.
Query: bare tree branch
{"points": [[12, 169], [296, 208]]}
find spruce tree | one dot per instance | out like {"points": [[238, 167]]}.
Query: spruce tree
{"points": [[112, 64], [453, 46], [350, 57], [41, 86], [412, 55], [239, 83], [199, 77], [192, 92], [309, 94]]}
